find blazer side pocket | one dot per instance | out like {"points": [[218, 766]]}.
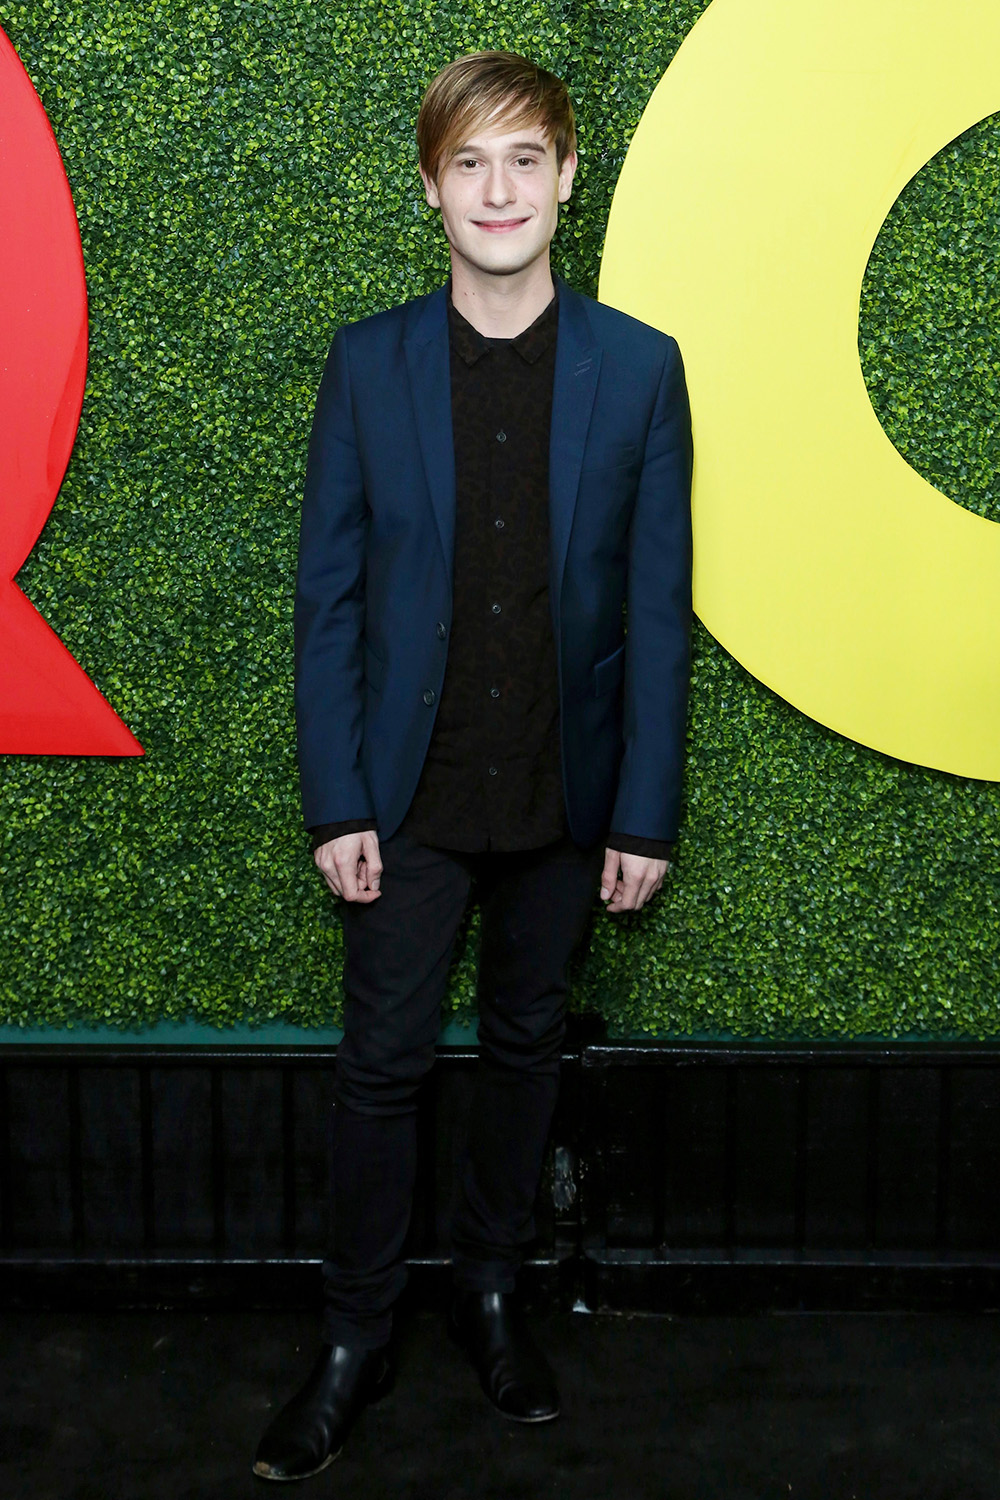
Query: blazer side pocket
{"points": [[608, 673], [620, 456]]}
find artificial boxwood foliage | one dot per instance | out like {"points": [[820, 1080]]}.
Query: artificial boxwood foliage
{"points": [[245, 178]]}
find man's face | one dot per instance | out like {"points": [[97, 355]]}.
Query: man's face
{"points": [[499, 197]]}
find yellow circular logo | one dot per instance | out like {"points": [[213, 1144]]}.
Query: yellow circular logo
{"points": [[752, 194]]}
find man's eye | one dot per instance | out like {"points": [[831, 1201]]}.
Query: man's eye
{"points": [[525, 161], [470, 161]]}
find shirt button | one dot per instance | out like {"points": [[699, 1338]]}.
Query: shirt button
{"points": [[429, 695], [498, 523], [494, 692], [442, 630], [493, 770], [501, 436], [496, 609]]}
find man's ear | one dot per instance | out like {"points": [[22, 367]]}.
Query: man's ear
{"points": [[566, 173], [430, 189]]}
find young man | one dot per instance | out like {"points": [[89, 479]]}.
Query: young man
{"points": [[497, 473]]}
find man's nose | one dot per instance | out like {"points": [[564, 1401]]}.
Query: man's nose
{"points": [[498, 188]]}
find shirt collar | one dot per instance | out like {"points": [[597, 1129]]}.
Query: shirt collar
{"points": [[530, 344]]}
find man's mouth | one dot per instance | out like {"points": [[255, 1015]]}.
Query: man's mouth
{"points": [[499, 226]]}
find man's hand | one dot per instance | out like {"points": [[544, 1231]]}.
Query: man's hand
{"points": [[351, 865], [640, 878]]}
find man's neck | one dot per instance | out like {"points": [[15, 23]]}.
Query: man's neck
{"points": [[501, 307]]}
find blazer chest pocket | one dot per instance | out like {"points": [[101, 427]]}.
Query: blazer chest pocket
{"points": [[374, 669], [607, 674]]}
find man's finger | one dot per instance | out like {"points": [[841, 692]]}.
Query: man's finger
{"points": [[367, 882], [633, 884], [372, 858], [630, 893], [609, 875], [347, 869], [326, 867]]}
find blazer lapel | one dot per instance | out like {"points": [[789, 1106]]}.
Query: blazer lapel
{"points": [[578, 362], [429, 369]]}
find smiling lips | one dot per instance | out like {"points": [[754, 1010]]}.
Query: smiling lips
{"points": [[499, 226]]}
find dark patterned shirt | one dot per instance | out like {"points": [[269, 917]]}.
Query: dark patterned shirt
{"points": [[492, 777]]}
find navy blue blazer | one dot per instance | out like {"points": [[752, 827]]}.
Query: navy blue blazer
{"points": [[373, 601]]}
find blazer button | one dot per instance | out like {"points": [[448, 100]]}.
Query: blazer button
{"points": [[442, 630], [428, 695]]}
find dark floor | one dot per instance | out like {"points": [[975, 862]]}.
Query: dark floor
{"points": [[138, 1406]]}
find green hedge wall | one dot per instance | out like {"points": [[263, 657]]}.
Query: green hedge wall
{"points": [[245, 178]]}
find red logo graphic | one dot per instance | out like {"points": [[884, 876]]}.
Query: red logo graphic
{"points": [[48, 705]]}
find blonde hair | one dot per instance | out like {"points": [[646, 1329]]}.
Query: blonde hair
{"points": [[491, 88]]}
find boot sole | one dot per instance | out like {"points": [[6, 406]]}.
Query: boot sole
{"points": [[549, 1416], [291, 1478]]}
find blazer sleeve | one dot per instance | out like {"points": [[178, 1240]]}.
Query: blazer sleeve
{"points": [[658, 619], [330, 608]]}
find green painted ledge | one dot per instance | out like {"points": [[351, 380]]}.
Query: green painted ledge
{"points": [[189, 1033], [201, 1034]]}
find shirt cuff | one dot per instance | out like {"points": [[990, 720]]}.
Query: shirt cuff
{"points": [[629, 843], [324, 832]]}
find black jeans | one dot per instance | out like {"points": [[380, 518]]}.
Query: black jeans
{"points": [[535, 905]]}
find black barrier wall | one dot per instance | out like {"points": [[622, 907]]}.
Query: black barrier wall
{"points": [[684, 1178]]}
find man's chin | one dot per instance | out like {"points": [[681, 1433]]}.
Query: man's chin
{"points": [[509, 265]]}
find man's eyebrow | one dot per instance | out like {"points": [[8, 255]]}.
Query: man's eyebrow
{"points": [[470, 148]]}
